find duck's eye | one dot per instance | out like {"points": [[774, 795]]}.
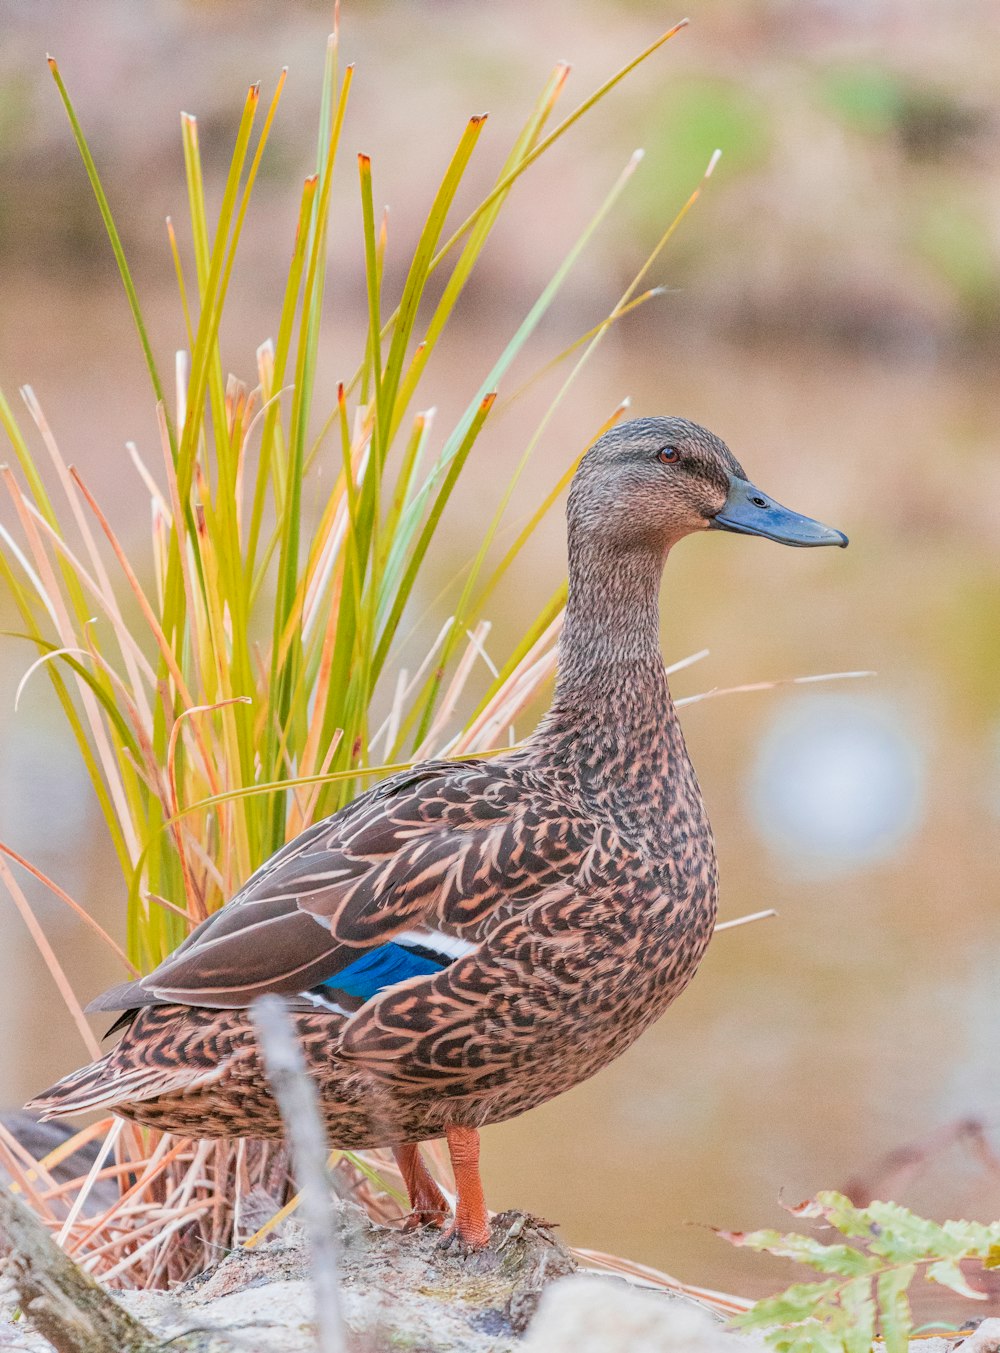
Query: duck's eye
{"points": [[668, 455]]}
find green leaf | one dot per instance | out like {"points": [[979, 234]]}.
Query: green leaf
{"points": [[948, 1274], [894, 1244], [895, 1320], [900, 1236], [802, 1249], [839, 1211], [857, 1323], [812, 1337], [796, 1303], [973, 1237]]}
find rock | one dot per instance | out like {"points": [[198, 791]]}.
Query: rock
{"points": [[986, 1339], [591, 1314]]}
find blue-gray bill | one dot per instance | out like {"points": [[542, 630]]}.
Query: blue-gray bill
{"points": [[753, 513]]}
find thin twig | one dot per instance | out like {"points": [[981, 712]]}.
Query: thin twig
{"points": [[770, 685], [745, 920], [654, 1277], [296, 1096]]}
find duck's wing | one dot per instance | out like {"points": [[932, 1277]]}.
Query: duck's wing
{"points": [[398, 884], [544, 973]]}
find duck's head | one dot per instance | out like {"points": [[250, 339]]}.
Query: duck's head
{"points": [[647, 483]]}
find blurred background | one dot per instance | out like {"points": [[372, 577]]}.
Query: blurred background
{"points": [[832, 311]]}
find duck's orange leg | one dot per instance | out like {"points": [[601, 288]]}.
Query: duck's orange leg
{"points": [[427, 1201], [471, 1227]]}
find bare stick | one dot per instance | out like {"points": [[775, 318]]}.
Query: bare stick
{"points": [[67, 1306], [745, 920], [771, 685], [296, 1096]]}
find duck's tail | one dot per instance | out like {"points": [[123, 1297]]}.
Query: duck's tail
{"points": [[92, 1087], [112, 1081]]}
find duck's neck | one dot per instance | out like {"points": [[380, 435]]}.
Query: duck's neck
{"points": [[612, 728], [611, 633]]}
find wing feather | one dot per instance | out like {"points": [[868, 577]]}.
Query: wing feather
{"points": [[453, 846], [475, 1023]]}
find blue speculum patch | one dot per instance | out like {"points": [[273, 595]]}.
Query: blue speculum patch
{"points": [[382, 967]]}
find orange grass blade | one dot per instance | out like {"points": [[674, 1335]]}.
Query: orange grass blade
{"points": [[103, 599], [68, 636], [166, 651], [628, 1268], [73, 905], [163, 1155], [56, 970], [109, 600], [25, 1172]]}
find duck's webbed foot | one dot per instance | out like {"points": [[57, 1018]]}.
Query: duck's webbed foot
{"points": [[421, 1217], [429, 1205], [464, 1241], [470, 1229]]}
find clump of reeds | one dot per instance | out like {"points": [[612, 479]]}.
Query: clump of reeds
{"points": [[220, 689]]}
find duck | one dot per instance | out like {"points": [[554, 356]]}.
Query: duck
{"points": [[470, 938]]}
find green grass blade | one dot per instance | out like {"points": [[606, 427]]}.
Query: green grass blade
{"points": [[206, 362], [270, 469], [525, 330], [373, 280], [420, 267], [549, 141], [115, 718], [111, 228], [402, 592], [74, 722]]}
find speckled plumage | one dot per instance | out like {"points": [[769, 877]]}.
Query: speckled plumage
{"points": [[573, 882]]}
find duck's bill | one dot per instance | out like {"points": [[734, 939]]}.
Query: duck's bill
{"points": [[753, 513]]}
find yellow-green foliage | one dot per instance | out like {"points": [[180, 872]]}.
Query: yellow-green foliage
{"points": [[863, 1294]]}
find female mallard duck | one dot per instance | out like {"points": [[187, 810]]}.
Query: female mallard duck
{"points": [[469, 939]]}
